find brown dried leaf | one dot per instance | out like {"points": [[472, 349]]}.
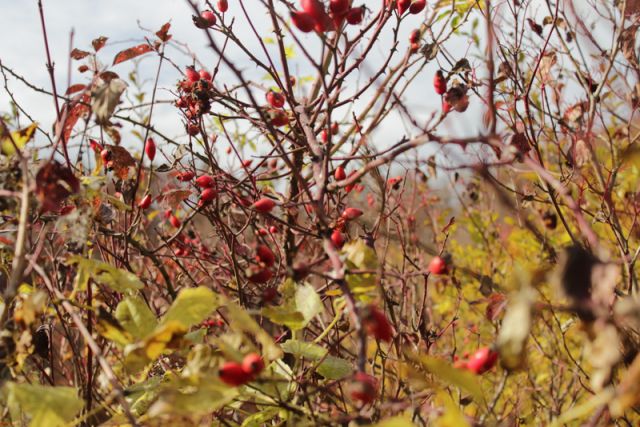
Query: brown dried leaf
{"points": [[163, 33], [628, 44], [99, 43], [579, 153], [120, 160], [516, 327], [79, 54], [54, 183], [105, 98], [546, 64], [173, 198]]}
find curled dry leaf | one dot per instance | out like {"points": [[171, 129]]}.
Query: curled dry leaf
{"points": [[99, 43], [516, 327], [579, 153], [628, 44], [546, 64], [163, 33], [120, 160], [54, 183], [457, 97], [105, 98], [604, 353], [79, 54]]}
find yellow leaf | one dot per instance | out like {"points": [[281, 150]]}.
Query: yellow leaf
{"points": [[241, 321], [192, 306], [400, 421], [135, 317], [450, 375], [452, 416], [46, 406], [20, 137]]}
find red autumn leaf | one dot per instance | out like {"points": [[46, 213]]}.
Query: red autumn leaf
{"points": [[163, 33], [54, 183], [75, 88], [79, 54], [132, 52], [107, 76], [99, 43], [81, 109]]}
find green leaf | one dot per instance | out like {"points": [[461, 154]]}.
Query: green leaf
{"points": [[46, 406], [330, 367], [192, 306], [135, 317], [334, 368], [260, 418], [304, 349], [298, 309], [182, 396]]}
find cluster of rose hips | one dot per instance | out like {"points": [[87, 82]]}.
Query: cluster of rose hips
{"points": [[313, 15], [480, 362], [261, 272], [207, 18], [213, 323], [453, 98], [413, 6], [195, 93], [236, 374], [276, 115], [349, 214], [186, 245]]}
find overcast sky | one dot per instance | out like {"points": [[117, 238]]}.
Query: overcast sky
{"points": [[22, 49]]}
